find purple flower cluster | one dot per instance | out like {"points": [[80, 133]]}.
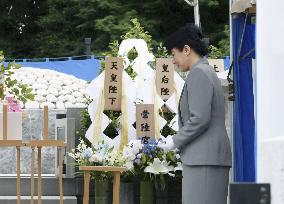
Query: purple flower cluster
{"points": [[150, 149]]}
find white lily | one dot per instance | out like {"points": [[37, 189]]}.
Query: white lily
{"points": [[169, 167], [179, 167], [157, 167]]}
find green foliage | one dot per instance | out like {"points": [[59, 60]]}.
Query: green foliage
{"points": [[138, 32], [85, 123], [214, 52], [21, 91], [224, 43], [223, 47], [52, 28]]}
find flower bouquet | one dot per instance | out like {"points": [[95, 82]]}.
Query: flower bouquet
{"points": [[148, 160], [151, 163], [101, 154]]}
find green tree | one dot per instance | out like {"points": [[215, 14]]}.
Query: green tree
{"points": [[53, 28], [18, 26]]}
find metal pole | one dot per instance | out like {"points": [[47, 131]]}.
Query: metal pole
{"points": [[195, 4], [196, 14], [231, 103], [88, 46]]}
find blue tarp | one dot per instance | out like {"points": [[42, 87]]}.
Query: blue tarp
{"points": [[86, 69], [244, 122]]}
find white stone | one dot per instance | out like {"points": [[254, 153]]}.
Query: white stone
{"points": [[70, 99], [42, 92], [58, 82], [31, 105], [62, 98], [49, 86], [67, 82], [38, 86], [74, 87], [77, 94], [40, 99], [42, 81], [51, 98], [50, 105], [81, 105], [60, 105], [80, 100], [65, 91], [28, 81], [56, 86], [53, 91], [69, 105]]}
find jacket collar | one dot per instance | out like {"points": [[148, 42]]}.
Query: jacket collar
{"points": [[202, 60]]}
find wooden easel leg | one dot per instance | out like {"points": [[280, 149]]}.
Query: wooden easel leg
{"points": [[5, 122], [86, 187], [60, 174], [32, 175], [39, 175], [18, 176], [116, 187]]}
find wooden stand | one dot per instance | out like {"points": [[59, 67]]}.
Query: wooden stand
{"points": [[33, 144], [39, 144], [12, 143], [116, 182]]}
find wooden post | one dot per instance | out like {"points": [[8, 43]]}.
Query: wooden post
{"points": [[32, 175], [45, 136], [59, 149], [39, 144], [18, 175], [5, 121], [116, 182], [39, 174], [86, 187], [116, 187]]}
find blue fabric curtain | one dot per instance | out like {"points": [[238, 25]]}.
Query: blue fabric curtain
{"points": [[86, 69], [244, 123]]}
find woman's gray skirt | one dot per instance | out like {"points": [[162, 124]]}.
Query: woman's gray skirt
{"points": [[205, 184]]}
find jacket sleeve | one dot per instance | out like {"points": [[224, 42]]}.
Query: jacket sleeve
{"points": [[200, 93]]}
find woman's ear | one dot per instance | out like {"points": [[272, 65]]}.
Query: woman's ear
{"points": [[186, 50]]}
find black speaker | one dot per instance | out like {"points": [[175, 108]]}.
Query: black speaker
{"points": [[250, 193]]}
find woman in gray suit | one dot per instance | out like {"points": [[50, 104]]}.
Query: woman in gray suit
{"points": [[202, 137]]}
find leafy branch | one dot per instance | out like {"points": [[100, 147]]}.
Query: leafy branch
{"points": [[10, 85]]}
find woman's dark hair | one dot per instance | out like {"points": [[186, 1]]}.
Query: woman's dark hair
{"points": [[188, 35]]}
